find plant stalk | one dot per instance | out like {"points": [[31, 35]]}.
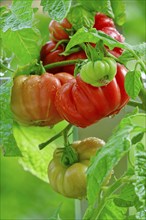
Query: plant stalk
{"points": [[62, 63], [44, 144]]}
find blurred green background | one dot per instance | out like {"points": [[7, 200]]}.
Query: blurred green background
{"points": [[23, 196]]}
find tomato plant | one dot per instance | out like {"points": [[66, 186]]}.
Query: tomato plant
{"points": [[55, 85]]}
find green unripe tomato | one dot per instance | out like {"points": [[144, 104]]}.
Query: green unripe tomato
{"points": [[100, 72], [71, 180]]}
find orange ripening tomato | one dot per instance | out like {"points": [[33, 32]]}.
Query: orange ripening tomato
{"points": [[33, 96]]}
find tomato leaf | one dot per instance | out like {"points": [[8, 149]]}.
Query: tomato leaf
{"points": [[140, 184], [119, 11], [23, 44], [28, 139], [126, 197], [19, 16], [111, 211], [7, 140], [31, 68], [92, 35], [109, 156], [56, 9], [133, 83], [138, 49], [79, 17], [103, 6], [137, 138]]}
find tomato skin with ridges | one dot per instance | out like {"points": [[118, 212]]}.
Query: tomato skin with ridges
{"points": [[58, 30], [70, 180], [82, 104], [33, 97]]}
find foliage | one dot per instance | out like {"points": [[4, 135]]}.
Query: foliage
{"points": [[106, 159], [21, 40]]}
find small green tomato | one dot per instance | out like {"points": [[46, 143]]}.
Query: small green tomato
{"points": [[100, 72]]}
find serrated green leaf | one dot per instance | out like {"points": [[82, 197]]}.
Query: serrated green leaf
{"points": [[23, 44], [140, 183], [19, 16], [126, 197], [103, 6], [31, 68], [28, 138], [80, 17], [131, 217], [137, 138], [92, 35], [141, 214], [107, 158], [119, 11], [138, 49], [112, 212], [133, 83], [7, 140], [140, 172], [57, 9]]}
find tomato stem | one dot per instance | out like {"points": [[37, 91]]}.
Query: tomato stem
{"points": [[58, 43], [66, 129], [69, 156], [6, 68], [142, 96], [136, 104], [62, 63], [108, 195]]}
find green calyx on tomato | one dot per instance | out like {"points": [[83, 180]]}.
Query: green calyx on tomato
{"points": [[100, 72], [71, 180]]}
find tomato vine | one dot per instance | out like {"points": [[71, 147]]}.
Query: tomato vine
{"points": [[81, 71]]}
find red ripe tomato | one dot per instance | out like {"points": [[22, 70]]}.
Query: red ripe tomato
{"points": [[112, 32], [73, 56], [58, 31], [48, 55], [101, 21], [106, 24], [33, 97], [82, 104]]}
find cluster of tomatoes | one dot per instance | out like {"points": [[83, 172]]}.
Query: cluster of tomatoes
{"points": [[57, 95], [46, 99]]}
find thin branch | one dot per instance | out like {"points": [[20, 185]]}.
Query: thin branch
{"points": [[66, 129]]}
